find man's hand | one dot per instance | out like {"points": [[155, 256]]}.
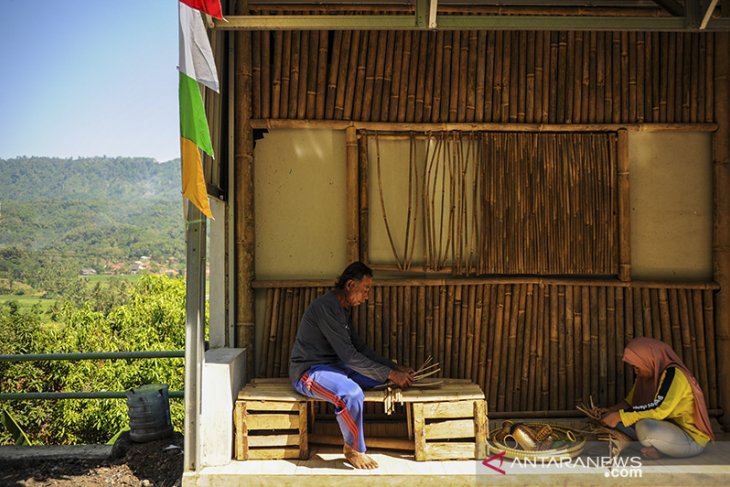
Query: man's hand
{"points": [[402, 368], [401, 378]]}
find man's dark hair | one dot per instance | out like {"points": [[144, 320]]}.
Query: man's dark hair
{"points": [[355, 271]]}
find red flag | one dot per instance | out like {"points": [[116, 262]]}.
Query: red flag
{"points": [[210, 7]]}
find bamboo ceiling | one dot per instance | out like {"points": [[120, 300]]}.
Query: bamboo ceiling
{"points": [[469, 76]]}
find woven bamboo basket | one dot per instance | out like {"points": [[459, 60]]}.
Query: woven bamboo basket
{"points": [[573, 447]]}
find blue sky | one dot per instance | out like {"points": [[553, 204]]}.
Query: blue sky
{"points": [[89, 78]]}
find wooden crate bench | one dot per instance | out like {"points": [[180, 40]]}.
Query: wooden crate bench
{"points": [[446, 423]]}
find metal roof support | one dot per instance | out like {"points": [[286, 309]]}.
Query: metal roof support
{"points": [[672, 6]]}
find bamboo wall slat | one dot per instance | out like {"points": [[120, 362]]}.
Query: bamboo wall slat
{"points": [[531, 347], [454, 76]]}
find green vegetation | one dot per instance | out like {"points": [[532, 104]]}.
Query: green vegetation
{"points": [[85, 245], [59, 217], [149, 315]]}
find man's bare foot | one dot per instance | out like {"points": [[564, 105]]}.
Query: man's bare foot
{"points": [[650, 453], [358, 459]]}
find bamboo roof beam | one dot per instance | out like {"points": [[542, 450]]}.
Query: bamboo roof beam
{"points": [[465, 22], [484, 126]]}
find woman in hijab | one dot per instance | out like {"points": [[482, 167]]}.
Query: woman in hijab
{"points": [[665, 409]]}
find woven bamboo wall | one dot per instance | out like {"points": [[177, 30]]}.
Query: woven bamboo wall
{"points": [[470, 76], [531, 346]]}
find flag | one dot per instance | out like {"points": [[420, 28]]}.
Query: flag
{"points": [[196, 65], [210, 7]]}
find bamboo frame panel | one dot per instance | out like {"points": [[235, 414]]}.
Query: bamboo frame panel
{"points": [[501, 203], [541, 346], [505, 76]]}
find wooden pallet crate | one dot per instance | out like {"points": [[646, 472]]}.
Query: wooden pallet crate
{"points": [[450, 430], [271, 429]]}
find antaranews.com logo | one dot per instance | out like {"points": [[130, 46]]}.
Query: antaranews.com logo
{"points": [[618, 468]]}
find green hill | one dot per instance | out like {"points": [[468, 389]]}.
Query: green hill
{"points": [[99, 213]]}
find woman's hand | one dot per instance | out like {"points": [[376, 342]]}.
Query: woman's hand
{"points": [[611, 419]]}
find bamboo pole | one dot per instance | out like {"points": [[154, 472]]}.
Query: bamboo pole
{"points": [[373, 112], [265, 74], [244, 189], [423, 55], [256, 72], [308, 102], [641, 61], [428, 91], [387, 77], [413, 67], [286, 74], [471, 74], [352, 192], [356, 59], [437, 77], [721, 220], [714, 363], [333, 72], [566, 67], [357, 105], [624, 206], [373, 59], [344, 64], [504, 107], [491, 78], [321, 95], [463, 77], [364, 197], [294, 77]]}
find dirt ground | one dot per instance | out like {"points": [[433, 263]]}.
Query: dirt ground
{"points": [[156, 463]]}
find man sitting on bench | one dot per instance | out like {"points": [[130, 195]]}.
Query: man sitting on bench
{"points": [[330, 362]]}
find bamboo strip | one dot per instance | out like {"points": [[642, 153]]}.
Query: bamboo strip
{"points": [[344, 64], [276, 77]]}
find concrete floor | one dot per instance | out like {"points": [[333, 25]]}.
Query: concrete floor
{"points": [[326, 467]]}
